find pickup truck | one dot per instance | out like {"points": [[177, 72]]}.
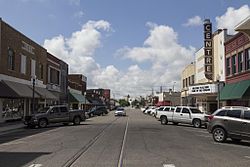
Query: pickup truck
{"points": [[55, 114], [183, 114]]}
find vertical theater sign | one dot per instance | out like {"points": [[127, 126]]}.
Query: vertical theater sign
{"points": [[208, 51]]}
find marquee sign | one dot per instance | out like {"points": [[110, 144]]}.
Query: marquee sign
{"points": [[201, 89], [208, 50]]}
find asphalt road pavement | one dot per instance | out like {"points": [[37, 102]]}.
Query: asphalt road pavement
{"points": [[136, 140]]}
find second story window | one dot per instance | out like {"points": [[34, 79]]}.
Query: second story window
{"points": [[11, 59], [228, 66], [233, 64], [54, 76], [23, 64], [247, 59], [240, 62]]}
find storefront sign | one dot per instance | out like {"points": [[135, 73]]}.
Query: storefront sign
{"points": [[208, 51], [201, 89]]}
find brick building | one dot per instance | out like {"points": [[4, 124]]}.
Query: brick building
{"points": [[22, 62], [237, 57]]}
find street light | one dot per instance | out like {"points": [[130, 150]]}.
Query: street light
{"points": [[33, 93]]}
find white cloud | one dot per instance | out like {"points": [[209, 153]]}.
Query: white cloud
{"points": [[232, 17], [194, 21], [79, 14], [160, 49]]}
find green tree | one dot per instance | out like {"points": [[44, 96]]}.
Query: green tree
{"points": [[123, 103]]}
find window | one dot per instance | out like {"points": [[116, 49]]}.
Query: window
{"points": [[247, 115], [192, 79], [41, 71], [240, 62], [228, 66], [178, 109], [221, 113], [33, 67], [234, 113], [55, 110], [247, 58], [23, 64], [185, 111], [54, 76], [233, 64], [64, 109], [166, 109], [11, 59], [183, 83], [160, 109]]}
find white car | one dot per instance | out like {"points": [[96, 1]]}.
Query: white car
{"points": [[120, 112]]}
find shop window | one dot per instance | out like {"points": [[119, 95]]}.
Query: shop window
{"points": [[233, 64], [247, 58], [228, 66], [11, 59], [13, 109], [240, 62]]}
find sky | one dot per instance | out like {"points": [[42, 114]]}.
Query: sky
{"points": [[131, 47]]}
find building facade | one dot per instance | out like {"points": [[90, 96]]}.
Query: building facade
{"points": [[188, 79], [23, 74], [237, 55]]}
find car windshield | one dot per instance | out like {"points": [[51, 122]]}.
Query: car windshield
{"points": [[43, 110], [195, 111], [120, 109]]}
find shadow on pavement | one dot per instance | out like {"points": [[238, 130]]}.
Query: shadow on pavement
{"points": [[17, 159], [241, 143]]}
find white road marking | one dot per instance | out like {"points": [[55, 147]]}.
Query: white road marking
{"points": [[36, 165], [168, 165], [120, 163]]}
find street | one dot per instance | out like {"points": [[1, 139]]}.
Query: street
{"points": [[137, 140]]}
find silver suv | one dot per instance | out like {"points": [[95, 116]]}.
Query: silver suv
{"points": [[230, 122]]}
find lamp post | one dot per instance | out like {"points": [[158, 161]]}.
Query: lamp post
{"points": [[33, 93]]}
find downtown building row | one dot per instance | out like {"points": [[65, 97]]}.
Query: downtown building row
{"points": [[230, 82], [30, 75]]}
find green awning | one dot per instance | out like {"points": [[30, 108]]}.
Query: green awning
{"points": [[235, 90], [78, 98]]}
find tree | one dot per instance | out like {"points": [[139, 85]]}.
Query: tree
{"points": [[123, 103]]}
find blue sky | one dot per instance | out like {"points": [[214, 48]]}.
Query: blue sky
{"points": [[119, 33]]}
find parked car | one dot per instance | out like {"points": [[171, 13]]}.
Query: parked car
{"points": [[184, 114], [97, 110], [162, 111], [120, 112], [148, 111], [230, 122], [55, 114]]}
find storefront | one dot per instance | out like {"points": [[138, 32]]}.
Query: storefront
{"points": [[205, 95]]}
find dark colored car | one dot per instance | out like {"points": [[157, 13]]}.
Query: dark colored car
{"points": [[97, 110], [230, 122], [54, 114]]}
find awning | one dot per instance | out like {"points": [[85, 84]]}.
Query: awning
{"points": [[79, 98], [235, 90], [7, 92], [44, 93], [21, 89]]}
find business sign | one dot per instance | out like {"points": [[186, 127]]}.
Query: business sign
{"points": [[201, 89], [208, 49]]}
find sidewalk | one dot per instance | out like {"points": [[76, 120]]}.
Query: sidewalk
{"points": [[10, 126]]}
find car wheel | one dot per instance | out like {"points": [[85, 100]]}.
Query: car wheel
{"points": [[164, 120], [197, 123], [219, 135], [236, 140], [77, 120], [42, 123]]}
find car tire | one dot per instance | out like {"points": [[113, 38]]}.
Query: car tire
{"points": [[197, 123], [219, 135], [77, 120], [42, 123], [164, 120]]}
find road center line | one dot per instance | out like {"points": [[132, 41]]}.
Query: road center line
{"points": [[168, 165], [120, 163]]}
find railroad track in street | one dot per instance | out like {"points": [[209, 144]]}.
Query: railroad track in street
{"points": [[70, 162]]}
